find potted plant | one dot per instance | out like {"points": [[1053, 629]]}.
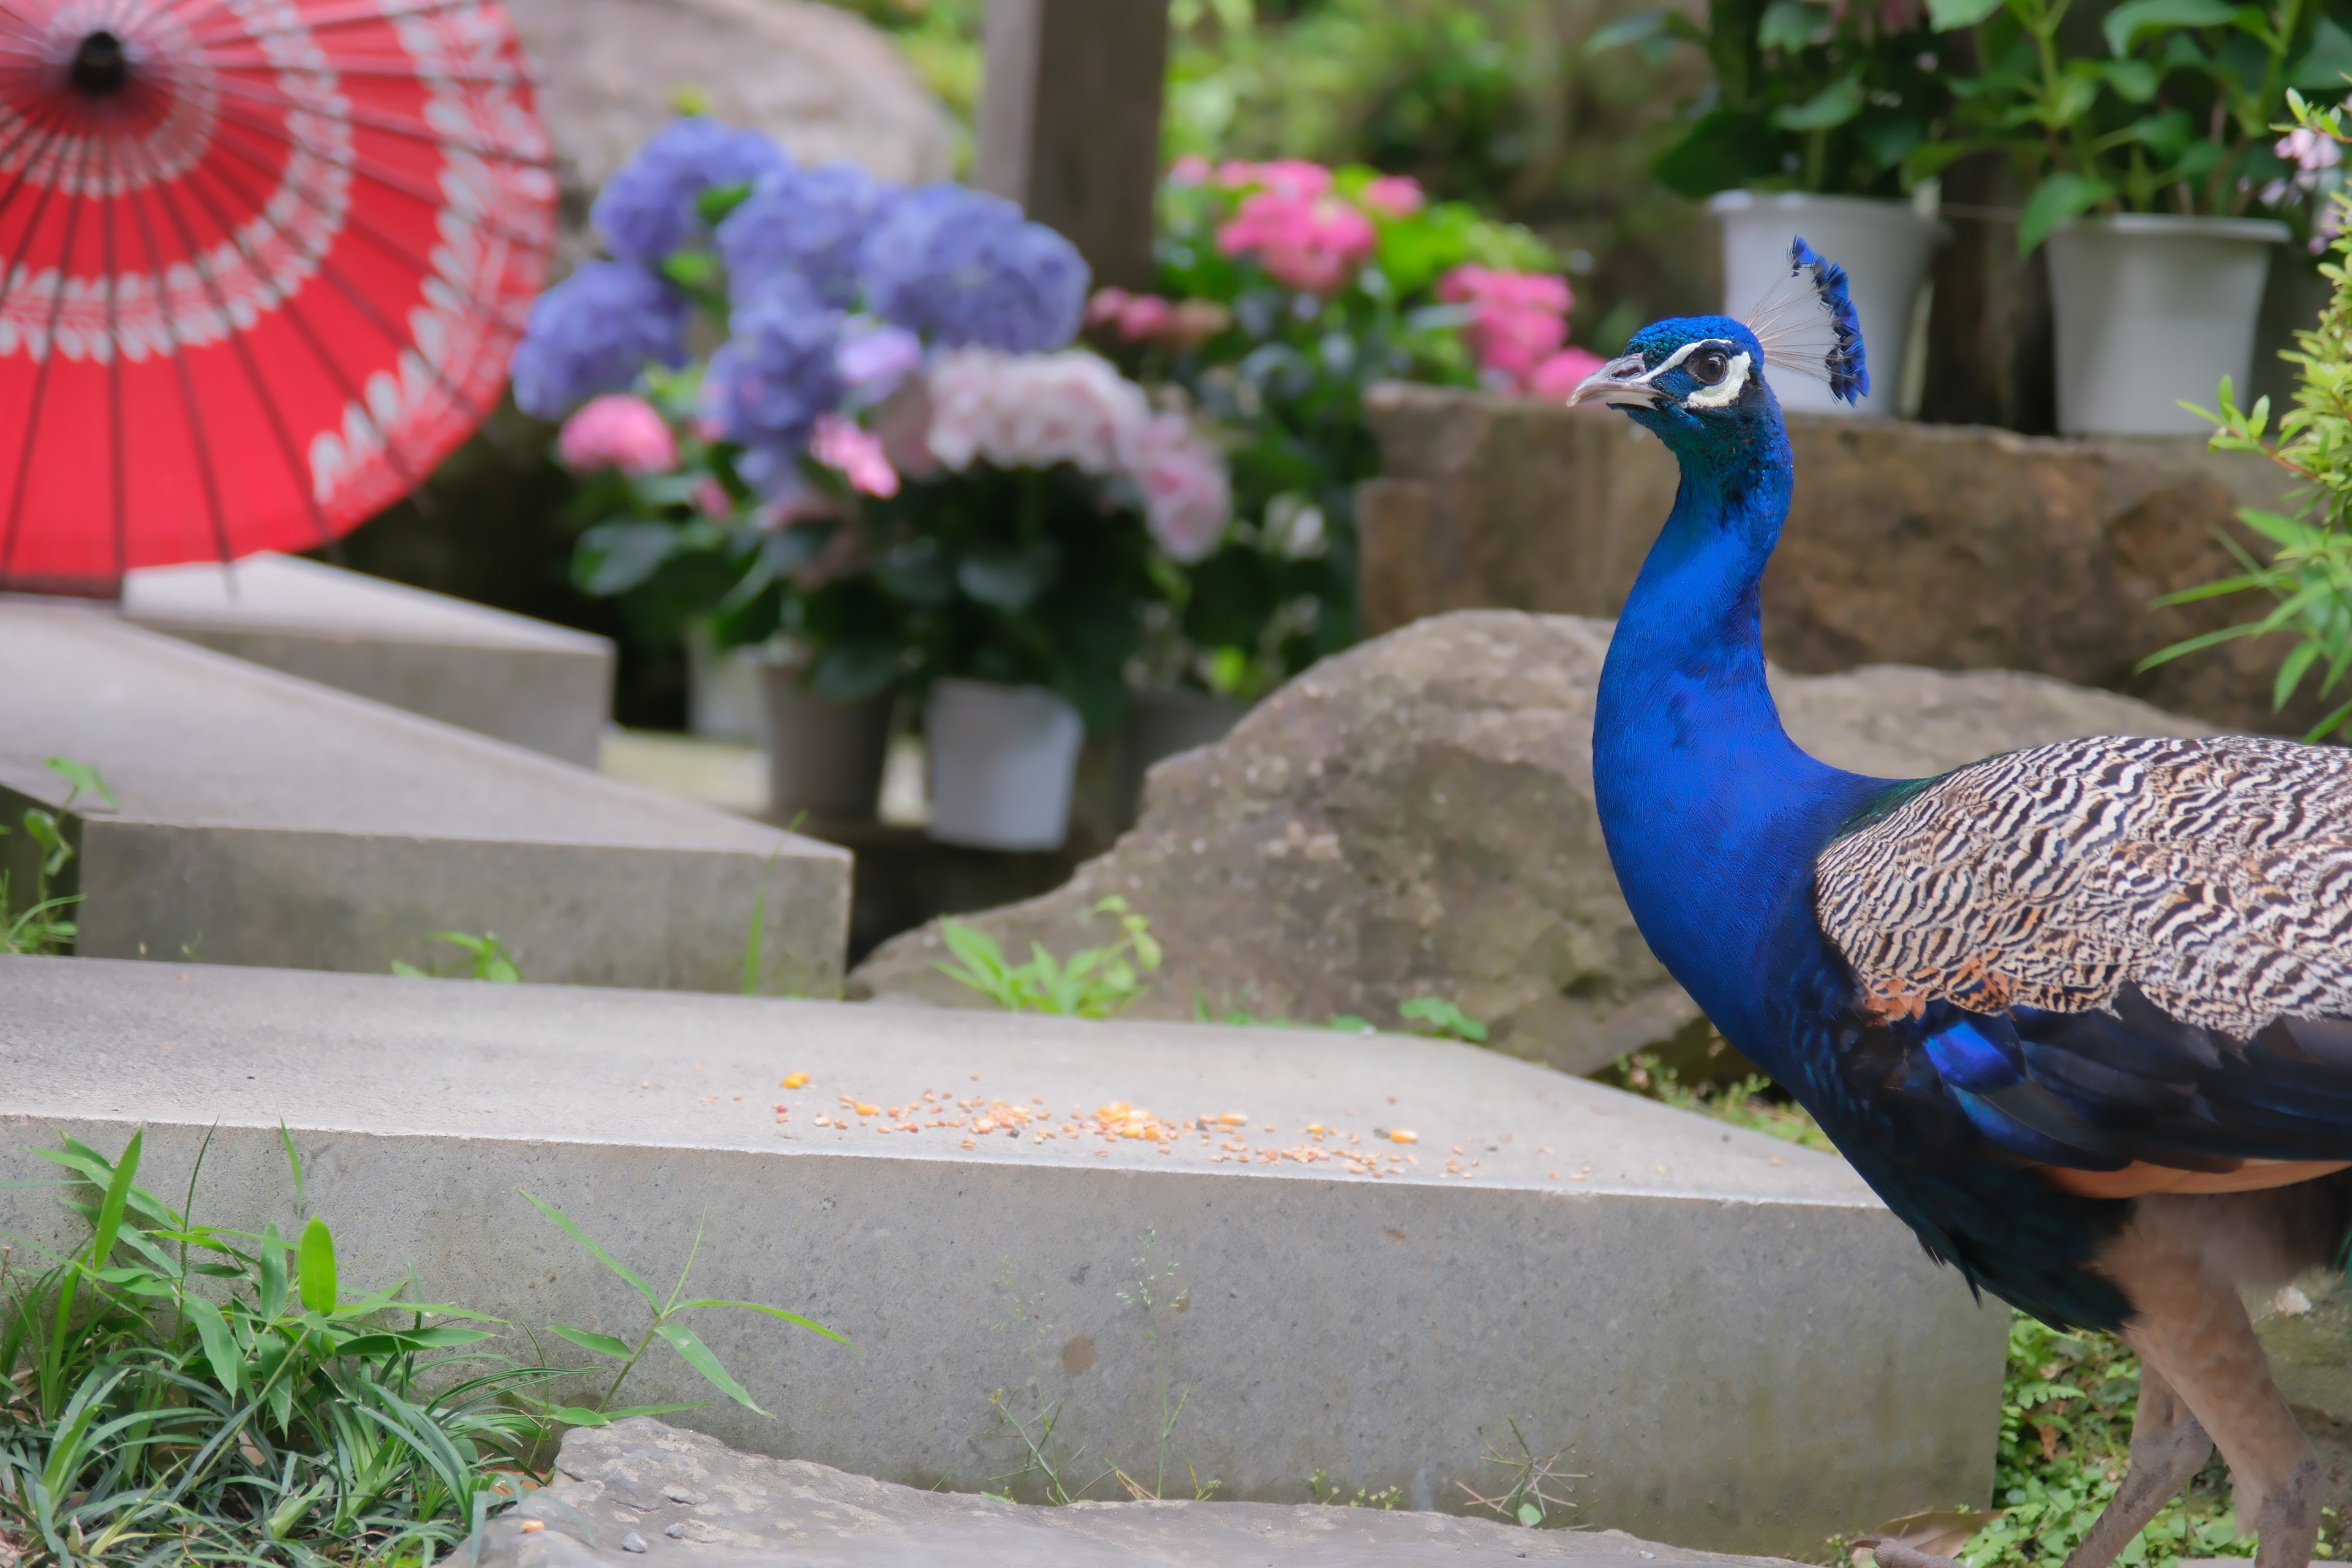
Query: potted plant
{"points": [[1285, 289], [1805, 130], [824, 291], [1037, 491], [2149, 163]]}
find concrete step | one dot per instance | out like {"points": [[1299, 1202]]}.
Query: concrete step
{"points": [[1726, 1339], [523, 681], [640, 1491], [268, 820]]}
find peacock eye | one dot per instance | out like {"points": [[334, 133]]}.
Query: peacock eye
{"points": [[1708, 366]]}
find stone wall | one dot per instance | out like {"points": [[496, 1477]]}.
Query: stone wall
{"points": [[1953, 547]]}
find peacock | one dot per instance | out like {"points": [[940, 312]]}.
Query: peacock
{"points": [[2081, 1013]]}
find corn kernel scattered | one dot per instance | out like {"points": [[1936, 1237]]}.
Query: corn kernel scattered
{"points": [[1234, 1118], [796, 1080], [865, 1110], [531, 1526], [1399, 1135], [1113, 1111]]}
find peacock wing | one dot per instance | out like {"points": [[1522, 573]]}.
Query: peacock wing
{"points": [[2118, 955]]}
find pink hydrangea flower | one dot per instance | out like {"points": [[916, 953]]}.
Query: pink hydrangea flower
{"points": [[1313, 243], [1188, 498], [711, 498], [1030, 411], [1557, 376], [844, 444], [617, 431], [1105, 305], [1147, 316], [1191, 169], [1518, 323], [1394, 195]]}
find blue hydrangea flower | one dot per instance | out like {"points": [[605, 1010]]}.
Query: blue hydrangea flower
{"points": [[962, 267], [813, 222], [646, 209], [875, 358], [593, 332], [779, 370]]}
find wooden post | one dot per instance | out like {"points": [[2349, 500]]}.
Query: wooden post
{"points": [[1069, 122]]}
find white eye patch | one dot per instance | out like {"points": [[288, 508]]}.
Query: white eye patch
{"points": [[1725, 391]]}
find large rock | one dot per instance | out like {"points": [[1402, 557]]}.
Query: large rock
{"points": [[1950, 546], [817, 78], [1415, 817], [621, 1491]]}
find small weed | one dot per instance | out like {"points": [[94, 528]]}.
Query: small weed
{"points": [[1093, 983], [1319, 1486], [1041, 1453], [1752, 1103], [1526, 1500], [480, 958], [1154, 1293], [39, 926], [1443, 1020]]}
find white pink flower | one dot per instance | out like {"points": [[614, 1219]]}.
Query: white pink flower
{"points": [[1030, 411], [617, 431], [1187, 491], [844, 444]]}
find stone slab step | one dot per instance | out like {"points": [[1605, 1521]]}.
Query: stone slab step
{"points": [[1725, 1338], [268, 820], [520, 680], [640, 1492]]}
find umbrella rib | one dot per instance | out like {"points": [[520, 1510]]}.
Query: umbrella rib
{"points": [[362, 168], [192, 404], [352, 16], [397, 67], [292, 306], [407, 129], [106, 215], [41, 376], [244, 353], [367, 307], [23, 178]]}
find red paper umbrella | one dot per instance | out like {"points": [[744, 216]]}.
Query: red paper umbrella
{"points": [[261, 266]]}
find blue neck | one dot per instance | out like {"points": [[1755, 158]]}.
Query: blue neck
{"points": [[1712, 814]]}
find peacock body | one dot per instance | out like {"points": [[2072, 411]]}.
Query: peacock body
{"points": [[2081, 1015]]}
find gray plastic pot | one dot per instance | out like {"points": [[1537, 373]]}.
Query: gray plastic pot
{"points": [[2151, 309], [1002, 760], [823, 758], [1885, 247]]}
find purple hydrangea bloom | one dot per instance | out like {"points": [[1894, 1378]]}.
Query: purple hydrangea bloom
{"points": [[593, 332], [875, 358], [964, 268], [779, 370], [646, 209], [813, 222]]}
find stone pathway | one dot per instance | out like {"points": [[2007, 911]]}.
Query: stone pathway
{"points": [[641, 1492]]}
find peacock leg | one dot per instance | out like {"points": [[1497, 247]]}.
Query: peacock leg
{"points": [[2189, 1323], [2169, 1448]]}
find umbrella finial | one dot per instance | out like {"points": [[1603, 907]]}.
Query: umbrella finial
{"points": [[99, 67]]}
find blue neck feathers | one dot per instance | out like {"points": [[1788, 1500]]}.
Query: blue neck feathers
{"points": [[1712, 816]]}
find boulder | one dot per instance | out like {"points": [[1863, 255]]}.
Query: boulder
{"points": [[1952, 546], [1414, 818], [822, 81]]}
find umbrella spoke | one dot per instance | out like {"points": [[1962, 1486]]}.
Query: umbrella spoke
{"points": [[41, 375], [323, 20], [393, 65], [120, 520], [189, 402], [391, 125]]}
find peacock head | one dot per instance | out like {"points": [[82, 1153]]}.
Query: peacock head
{"points": [[1698, 382]]}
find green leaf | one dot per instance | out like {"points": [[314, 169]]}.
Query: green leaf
{"points": [[793, 1318], [2057, 199], [118, 1194], [615, 557], [1722, 151], [314, 1266], [2133, 81], [1792, 25], [221, 1349], [698, 1356], [1949, 16], [1009, 579], [2327, 62], [2128, 21], [1825, 111], [84, 780], [563, 1223], [587, 1339], [293, 1163]]}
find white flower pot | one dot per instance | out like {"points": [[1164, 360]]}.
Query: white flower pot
{"points": [[823, 758], [2151, 308], [1885, 247], [724, 697], [1002, 760]]}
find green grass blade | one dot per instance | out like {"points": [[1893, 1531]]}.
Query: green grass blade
{"points": [[221, 1349], [563, 1223], [793, 1318], [699, 1356], [603, 1344], [315, 1266]]}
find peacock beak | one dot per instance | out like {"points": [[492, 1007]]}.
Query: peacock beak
{"points": [[1621, 384]]}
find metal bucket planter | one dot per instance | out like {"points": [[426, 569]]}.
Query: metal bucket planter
{"points": [[823, 758], [1885, 247], [1002, 760], [2152, 309]]}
